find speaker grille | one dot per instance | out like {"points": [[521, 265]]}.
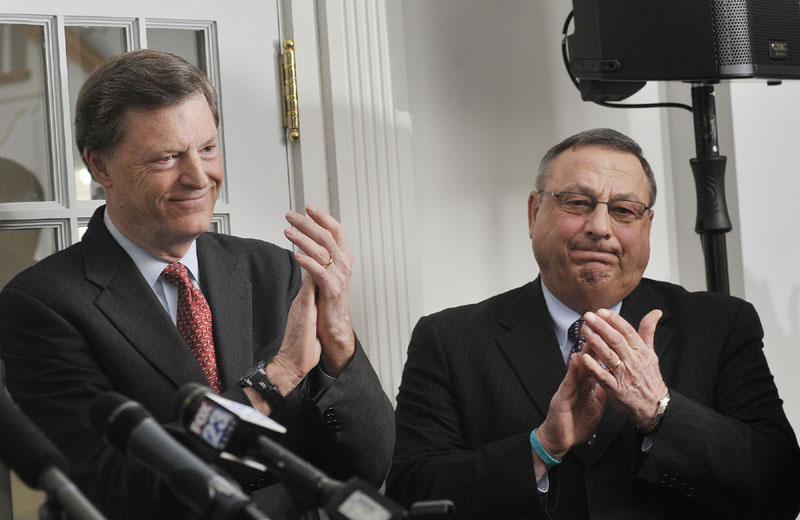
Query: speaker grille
{"points": [[731, 32], [775, 20]]}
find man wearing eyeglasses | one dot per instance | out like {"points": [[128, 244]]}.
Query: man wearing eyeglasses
{"points": [[592, 392]]}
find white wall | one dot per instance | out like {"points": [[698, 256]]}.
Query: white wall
{"points": [[766, 133]]}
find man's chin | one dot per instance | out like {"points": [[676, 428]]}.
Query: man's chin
{"points": [[596, 273], [188, 229]]}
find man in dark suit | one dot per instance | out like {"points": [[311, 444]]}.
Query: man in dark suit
{"points": [[101, 315], [664, 407]]}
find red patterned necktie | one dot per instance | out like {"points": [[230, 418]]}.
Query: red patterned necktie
{"points": [[194, 321]]}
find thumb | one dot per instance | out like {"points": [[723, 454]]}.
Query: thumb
{"points": [[307, 289], [647, 327], [569, 385]]}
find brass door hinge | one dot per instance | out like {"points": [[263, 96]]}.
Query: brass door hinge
{"points": [[291, 109]]}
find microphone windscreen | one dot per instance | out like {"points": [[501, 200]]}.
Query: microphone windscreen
{"points": [[187, 401], [115, 416], [23, 446]]}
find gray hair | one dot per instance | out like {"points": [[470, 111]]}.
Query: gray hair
{"points": [[144, 80], [604, 138]]}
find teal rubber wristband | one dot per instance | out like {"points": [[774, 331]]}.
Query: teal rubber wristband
{"points": [[541, 452]]}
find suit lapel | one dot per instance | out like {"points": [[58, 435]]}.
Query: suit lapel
{"points": [[132, 307], [530, 345], [228, 292]]}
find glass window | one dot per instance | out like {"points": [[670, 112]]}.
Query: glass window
{"points": [[25, 168], [189, 44], [87, 47], [21, 248]]}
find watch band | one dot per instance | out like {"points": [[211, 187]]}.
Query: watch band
{"points": [[256, 378], [654, 423]]}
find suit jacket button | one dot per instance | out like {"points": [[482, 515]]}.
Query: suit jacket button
{"points": [[330, 420]]}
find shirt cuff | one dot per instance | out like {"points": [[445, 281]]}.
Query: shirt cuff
{"points": [[324, 381], [543, 484]]}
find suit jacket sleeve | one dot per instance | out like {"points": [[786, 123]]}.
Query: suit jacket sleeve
{"points": [[354, 424], [435, 459], [346, 429], [730, 446]]}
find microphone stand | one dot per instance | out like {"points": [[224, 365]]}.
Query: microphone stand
{"points": [[709, 176]]}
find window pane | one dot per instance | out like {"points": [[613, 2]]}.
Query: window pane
{"points": [[189, 44], [87, 47], [21, 248], [25, 169]]}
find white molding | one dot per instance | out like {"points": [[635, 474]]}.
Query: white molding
{"points": [[59, 226], [370, 176], [222, 221], [308, 171]]}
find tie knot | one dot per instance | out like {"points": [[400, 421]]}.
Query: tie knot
{"points": [[177, 275], [574, 332]]}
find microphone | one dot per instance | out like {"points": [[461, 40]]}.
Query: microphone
{"points": [[26, 450], [238, 430], [130, 428]]}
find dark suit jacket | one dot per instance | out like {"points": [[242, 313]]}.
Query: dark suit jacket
{"points": [[83, 322], [479, 378]]}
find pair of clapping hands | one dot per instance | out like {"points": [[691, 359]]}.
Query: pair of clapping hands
{"points": [[617, 365], [319, 329]]}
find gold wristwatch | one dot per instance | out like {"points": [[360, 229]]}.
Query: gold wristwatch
{"points": [[661, 409]]}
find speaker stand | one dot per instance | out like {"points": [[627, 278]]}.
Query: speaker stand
{"points": [[709, 177]]}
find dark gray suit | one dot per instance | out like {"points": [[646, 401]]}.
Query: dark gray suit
{"points": [[84, 321], [480, 377]]}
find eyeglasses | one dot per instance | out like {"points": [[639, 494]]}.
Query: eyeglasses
{"points": [[621, 210]]}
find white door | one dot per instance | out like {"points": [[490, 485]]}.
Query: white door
{"points": [[48, 47]]}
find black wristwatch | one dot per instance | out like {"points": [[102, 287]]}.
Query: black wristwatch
{"points": [[256, 378], [654, 423]]}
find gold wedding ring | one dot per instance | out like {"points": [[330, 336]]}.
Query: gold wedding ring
{"points": [[619, 362], [329, 263]]}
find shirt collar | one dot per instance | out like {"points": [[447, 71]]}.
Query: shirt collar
{"points": [[564, 316], [151, 266]]}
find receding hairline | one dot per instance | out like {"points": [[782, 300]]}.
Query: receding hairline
{"points": [[604, 138], [549, 169]]}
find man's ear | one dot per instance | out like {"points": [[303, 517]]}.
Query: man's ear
{"points": [[98, 167], [533, 209]]}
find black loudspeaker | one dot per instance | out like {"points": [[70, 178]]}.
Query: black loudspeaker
{"points": [[687, 40]]}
